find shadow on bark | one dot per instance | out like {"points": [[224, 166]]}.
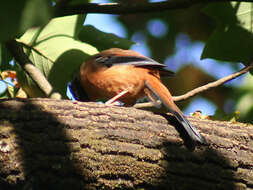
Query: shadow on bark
{"points": [[70, 149], [42, 150]]}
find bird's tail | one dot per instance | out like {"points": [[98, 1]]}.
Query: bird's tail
{"points": [[158, 91]]}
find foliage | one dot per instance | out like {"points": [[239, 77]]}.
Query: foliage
{"points": [[25, 14], [102, 40], [52, 48], [220, 44], [226, 30], [57, 46]]}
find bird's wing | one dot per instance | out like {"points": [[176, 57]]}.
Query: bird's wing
{"points": [[134, 60]]}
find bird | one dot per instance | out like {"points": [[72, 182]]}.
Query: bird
{"points": [[126, 76]]}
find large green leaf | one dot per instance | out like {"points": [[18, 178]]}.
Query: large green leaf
{"points": [[222, 12], [51, 50], [230, 41], [16, 16], [103, 40]]}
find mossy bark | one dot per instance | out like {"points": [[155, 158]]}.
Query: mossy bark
{"points": [[60, 144]]}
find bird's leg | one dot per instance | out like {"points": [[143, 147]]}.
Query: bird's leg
{"points": [[113, 100]]}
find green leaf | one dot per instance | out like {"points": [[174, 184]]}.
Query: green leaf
{"points": [[102, 40], [221, 12], [35, 13], [244, 14], [17, 16], [232, 40], [5, 58], [232, 43], [65, 67], [56, 52]]}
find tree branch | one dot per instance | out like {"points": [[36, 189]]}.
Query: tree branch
{"points": [[17, 51], [60, 144], [116, 8], [213, 84]]}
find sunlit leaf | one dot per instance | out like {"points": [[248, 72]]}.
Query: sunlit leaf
{"points": [[11, 91], [244, 14], [20, 93], [51, 50], [103, 40]]}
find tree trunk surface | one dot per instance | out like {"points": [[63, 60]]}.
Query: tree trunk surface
{"points": [[60, 144]]}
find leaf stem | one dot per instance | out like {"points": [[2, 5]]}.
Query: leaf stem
{"points": [[17, 51]]}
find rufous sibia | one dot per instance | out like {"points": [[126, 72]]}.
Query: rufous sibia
{"points": [[127, 76]]}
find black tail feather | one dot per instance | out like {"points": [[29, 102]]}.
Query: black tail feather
{"points": [[191, 131]]}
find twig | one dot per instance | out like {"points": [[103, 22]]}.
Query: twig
{"points": [[202, 88], [213, 84], [18, 53], [147, 105], [128, 8]]}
